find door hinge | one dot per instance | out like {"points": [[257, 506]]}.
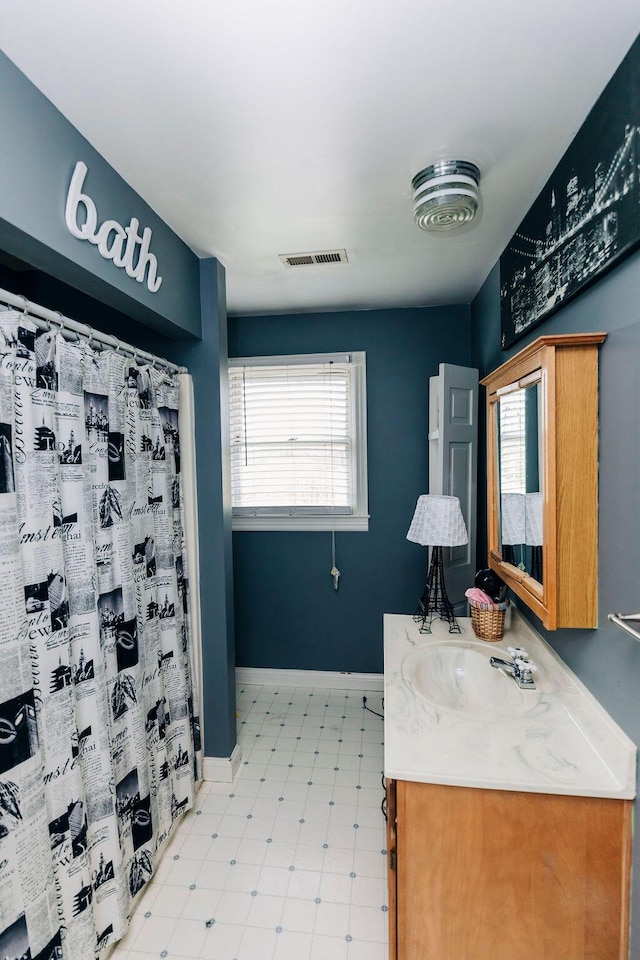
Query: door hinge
{"points": [[393, 860]]}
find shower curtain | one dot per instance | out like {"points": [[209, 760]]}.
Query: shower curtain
{"points": [[99, 732]]}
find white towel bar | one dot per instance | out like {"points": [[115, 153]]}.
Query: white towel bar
{"points": [[620, 621]]}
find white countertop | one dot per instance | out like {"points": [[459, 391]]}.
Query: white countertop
{"points": [[563, 742]]}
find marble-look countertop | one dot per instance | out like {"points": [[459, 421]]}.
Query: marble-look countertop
{"points": [[559, 741]]}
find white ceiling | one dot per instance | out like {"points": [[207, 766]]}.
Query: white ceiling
{"points": [[261, 127]]}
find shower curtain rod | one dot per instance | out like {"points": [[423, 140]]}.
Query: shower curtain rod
{"points": [[44, 318]]}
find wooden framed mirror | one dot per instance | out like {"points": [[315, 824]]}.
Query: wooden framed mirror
{"points": [[542, 477]]}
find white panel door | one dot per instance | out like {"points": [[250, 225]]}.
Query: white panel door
{"points": [[453, 442]]}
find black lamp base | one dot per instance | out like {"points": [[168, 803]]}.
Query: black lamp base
{"points": [[434, 604]]}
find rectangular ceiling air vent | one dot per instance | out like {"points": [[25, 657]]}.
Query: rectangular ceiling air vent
{"points": [[313, 259]]}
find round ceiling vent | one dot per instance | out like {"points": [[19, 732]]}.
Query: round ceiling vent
{"points": [[446, 195]]}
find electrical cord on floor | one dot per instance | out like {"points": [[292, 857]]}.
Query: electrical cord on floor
{"points": [[383, 805], [365, 707]]}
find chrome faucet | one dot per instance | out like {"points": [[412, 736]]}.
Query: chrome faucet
{"points": [[520, 668]]}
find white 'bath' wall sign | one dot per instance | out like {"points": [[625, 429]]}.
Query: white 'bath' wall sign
{"points": [[114, 242]]}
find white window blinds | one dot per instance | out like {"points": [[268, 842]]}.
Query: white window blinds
{"points": [[512, 442], [294, 436]]}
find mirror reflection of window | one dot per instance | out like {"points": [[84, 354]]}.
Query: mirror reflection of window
{"points": [[513, 461], [519, 440]]}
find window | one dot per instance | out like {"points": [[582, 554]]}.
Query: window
{"points": [[298, 442], [511, 430]]}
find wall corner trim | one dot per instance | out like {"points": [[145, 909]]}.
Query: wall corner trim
{"points": [[222, 769]]}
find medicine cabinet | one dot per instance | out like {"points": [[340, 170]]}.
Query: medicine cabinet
{"points": [[542, 477]]}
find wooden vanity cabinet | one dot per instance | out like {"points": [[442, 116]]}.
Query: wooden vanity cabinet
{"points": [[480, 874], [562, 371]]}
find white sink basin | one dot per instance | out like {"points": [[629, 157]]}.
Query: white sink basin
{"points": [[457, 676], [451, 718]]}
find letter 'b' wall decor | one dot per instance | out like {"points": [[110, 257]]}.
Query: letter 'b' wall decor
{"points": [[123, 245]]}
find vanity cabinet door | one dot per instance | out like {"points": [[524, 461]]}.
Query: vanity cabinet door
{"points": [[500, 875]]}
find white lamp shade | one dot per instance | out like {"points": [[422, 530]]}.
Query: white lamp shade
{"points": [[438, 522], [512, 518], [533, 528]]}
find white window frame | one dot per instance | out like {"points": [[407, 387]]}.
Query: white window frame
{"points": [[304, 518]]}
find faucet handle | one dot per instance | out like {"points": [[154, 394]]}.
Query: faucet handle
{"points": [[518, 652], [526, 665]]}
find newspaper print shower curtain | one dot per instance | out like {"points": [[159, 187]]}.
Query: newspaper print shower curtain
{"points": [[99, 739]]}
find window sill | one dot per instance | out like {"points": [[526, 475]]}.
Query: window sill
{"points": [[301, 523]]}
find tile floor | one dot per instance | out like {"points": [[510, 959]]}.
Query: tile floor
{"points": [[288, 862]]}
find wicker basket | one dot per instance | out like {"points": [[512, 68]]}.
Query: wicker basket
{"points": [[488, 624]]}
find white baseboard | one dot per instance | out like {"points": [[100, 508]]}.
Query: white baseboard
{"points": [[222, 769], [309, 678]]}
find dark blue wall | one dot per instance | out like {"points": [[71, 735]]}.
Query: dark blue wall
{"points": [[286, 611], [606, 660]]}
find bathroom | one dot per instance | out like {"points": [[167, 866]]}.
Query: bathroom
{"points": [[295, 620]]}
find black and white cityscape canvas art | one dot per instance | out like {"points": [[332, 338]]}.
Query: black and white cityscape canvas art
{"points": [[587, 216]]}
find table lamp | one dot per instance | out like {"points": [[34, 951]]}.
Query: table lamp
{"points": [[512, 526], [437, 523], [533, 533]]}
